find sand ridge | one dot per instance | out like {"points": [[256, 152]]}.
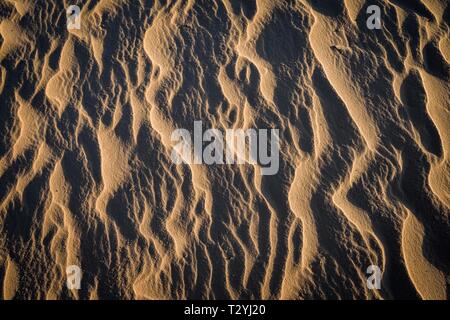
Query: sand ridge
{"points": [[86, 176]]}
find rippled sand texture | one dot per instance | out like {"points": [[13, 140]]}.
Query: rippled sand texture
{"points": [[86, 176]]}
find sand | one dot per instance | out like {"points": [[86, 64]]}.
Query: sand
{"points": [[86, 176]]}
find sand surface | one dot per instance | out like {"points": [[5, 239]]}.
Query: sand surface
{"points": [[86, 176]]}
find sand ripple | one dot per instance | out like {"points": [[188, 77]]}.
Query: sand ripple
{"points": [[86, 176]]}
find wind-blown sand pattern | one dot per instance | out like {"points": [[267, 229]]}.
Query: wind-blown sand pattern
{"points": [[86, 176]]}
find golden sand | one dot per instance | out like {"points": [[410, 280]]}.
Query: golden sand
{"points": [[86, 177]]}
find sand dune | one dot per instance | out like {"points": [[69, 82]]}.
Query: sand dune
{"points": [[87, 179]]}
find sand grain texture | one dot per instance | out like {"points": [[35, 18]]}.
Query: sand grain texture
{"points": [[86, 176]]}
